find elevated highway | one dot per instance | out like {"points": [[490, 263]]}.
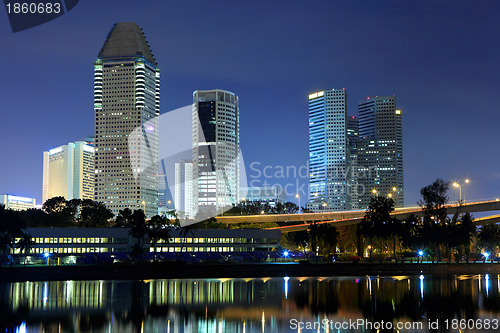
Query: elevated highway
{"points": [[297, 222]]}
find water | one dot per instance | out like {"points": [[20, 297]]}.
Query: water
{"points": [[321, 304]]}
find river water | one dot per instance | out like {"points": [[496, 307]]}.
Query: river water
{"points": [[463, 303]]}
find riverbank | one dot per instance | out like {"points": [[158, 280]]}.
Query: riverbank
{"points": [[179, 270]]}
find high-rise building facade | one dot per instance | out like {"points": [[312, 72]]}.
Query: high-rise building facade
{"points": [[183, 197], [352, 161], [126, 104], [380, 150], [215, 149], [328, 151], [68, 171]]}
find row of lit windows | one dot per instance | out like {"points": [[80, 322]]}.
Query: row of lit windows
{"points": [[77, 240]]}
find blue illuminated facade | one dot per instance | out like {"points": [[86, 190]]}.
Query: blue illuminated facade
{"points": [[328, 155]]}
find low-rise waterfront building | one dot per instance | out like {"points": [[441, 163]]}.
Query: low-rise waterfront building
{"points": [[66, 242], [16, 202]]}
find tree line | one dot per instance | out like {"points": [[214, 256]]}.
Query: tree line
{"points": [[436, 235]]}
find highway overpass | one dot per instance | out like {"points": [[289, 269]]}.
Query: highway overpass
{"points": [[297, 222]]}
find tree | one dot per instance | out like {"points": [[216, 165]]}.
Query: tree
{"points": [[11, 227], [138, 228], [35, 218], [464, 232], [434, 230], [25, 245], [378, 222], [314, 232], [137, 252], [158, 230], [328, 237], [301, 238], [291, 208], [61, 213], [124, 218], [489, 237], [410, 233], [94, 214]]}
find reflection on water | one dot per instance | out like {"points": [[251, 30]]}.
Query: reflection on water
{"points": [[251, 305]]}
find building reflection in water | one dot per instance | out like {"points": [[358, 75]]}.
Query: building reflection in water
{"points": [[243, 305]]}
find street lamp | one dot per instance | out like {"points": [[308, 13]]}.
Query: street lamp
{"points": [[374, 191], [298, 197], [242, 205], [324, 205], [262, 212], [466, 181], [457, 185]]}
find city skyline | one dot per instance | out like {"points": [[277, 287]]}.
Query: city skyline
{"points": [[442, 85]]}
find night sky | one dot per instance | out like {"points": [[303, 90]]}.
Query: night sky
{"points": [[440, 59]]}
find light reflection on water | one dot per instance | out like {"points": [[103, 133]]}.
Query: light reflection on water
{"points": [[247, 305]]}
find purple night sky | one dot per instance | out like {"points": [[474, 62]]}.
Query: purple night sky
{"points": [[440, 58]]}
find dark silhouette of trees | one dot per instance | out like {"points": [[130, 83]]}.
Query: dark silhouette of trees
{"points": [[94, 214], [466, 231], [124, 218], [328, 238], [138, 229], [11, 227], [25, 245], [257, 207], [489, 237], [435, 228], [378, 224], [64, 213], [301, 238], [157, 230]]}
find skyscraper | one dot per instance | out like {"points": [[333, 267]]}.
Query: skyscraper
{"points": [[68, 171], [183, 198], [328, 151], [380, 150], [215, 149], [126, 104]]}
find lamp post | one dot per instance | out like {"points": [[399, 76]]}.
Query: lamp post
{"points": [[466, 181], [242, 205], [144, 207], [298, 197], [457, 185]]}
